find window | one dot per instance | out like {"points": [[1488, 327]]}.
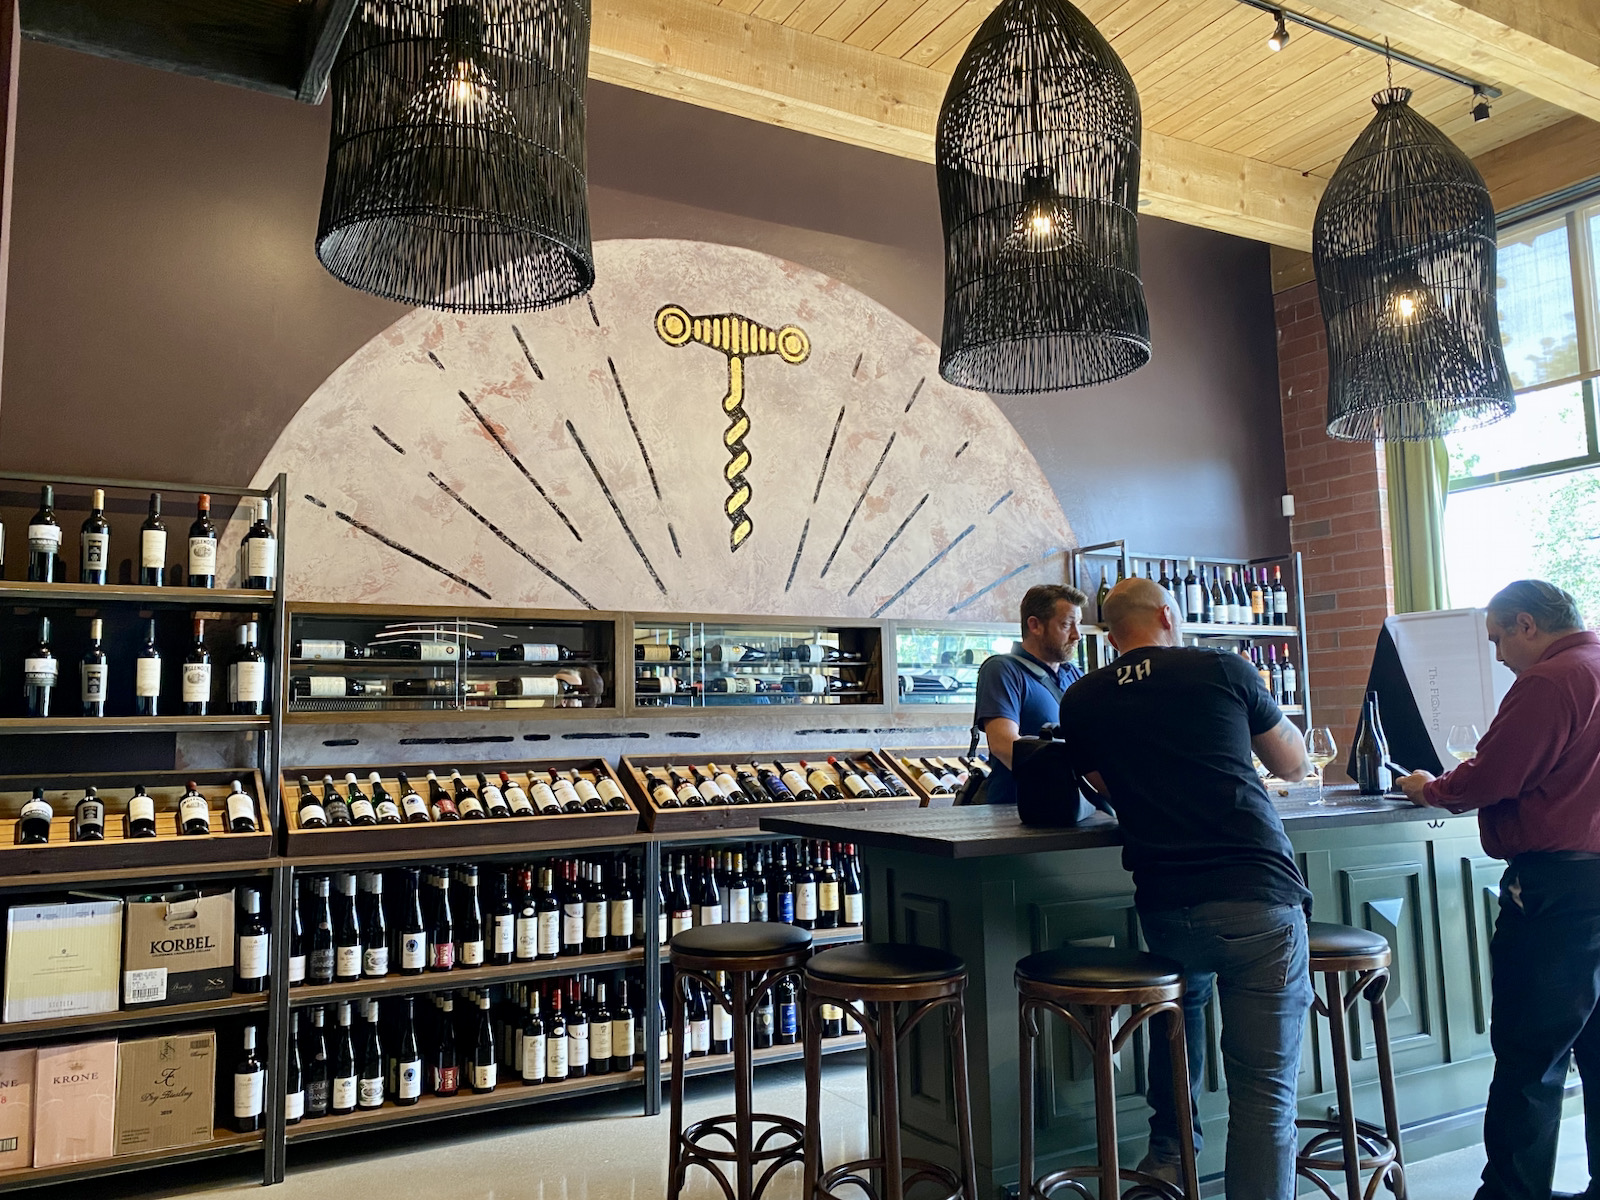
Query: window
{"points": [[1525, 492]]}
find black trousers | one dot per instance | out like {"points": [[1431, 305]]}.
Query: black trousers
{"points": [[1545, 956]]}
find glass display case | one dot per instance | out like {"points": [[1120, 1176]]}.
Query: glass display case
{"points": [[344, 660], [721, 663], [939, 664]]}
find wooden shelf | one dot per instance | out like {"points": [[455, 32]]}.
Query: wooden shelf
{"points": [[183, 597], [164, 1014], [713, 1063], [434, 1108], [218, 724], [223, 1141], [461, 977], [64, 880]]}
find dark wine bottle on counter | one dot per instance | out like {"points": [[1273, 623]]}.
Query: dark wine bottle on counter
{"points": [[40, 672], [152, 545], [1368, 752], [44, 540], [202, 571], [259, 551], [89, 818], [197, 674], [33, 824], [94, 541], [93, 672]]}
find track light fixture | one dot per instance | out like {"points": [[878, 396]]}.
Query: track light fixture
{"points": [[1480, 106], [1280, 34]]}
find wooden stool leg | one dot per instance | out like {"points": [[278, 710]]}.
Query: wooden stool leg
{"points": [[743, 1083], [811, 1030], [956, 1016], [1178, 1049], [1026, 1015], [675, 1167], [894, 1180], [1105, 1105], [1339, 1033], [1391, 1111]]}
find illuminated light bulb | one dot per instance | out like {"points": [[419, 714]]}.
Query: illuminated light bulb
{"points": [[1405, 306], [1280, 34], [1044, 222]]}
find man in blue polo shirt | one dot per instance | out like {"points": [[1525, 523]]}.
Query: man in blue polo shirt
{"points": [[1021, 691]]}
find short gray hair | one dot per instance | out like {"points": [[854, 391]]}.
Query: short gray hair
{"points": [[1553, 610]]}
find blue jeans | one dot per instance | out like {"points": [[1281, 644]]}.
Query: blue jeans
{"points": [[1254, 953]]}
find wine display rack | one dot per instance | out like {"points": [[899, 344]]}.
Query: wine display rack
{"points": [[747, 816], [938, 663], [929, 797], [395, 984], [504, 835]]}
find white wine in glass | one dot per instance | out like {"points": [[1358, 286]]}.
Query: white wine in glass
{"points": [[1321, 750], [1463, 742]]}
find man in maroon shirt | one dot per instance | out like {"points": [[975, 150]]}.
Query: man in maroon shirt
{"points": [[1536, 785]]}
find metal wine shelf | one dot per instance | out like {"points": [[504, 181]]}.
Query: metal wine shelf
{"points": [[142, 1018], [223, 1142], [395, 984], [15, 591]]}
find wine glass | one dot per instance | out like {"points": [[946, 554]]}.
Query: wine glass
{"points": [[1321, 750], [1463, 742]]}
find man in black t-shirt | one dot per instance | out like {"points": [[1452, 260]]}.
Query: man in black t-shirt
{"points": [[1166, 733]]}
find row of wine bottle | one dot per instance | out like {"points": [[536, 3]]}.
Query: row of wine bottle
{"points": [[811, 884], [769, 783], [192, 818], [1235, 596], [734, 653], [258, 553], [812, 683], [1279, 677], [549, 793], [246, 691], [419, 649]]}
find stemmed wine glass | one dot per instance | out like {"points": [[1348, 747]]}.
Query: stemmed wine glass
{"points": [[1321, 750], [1463, 742]]}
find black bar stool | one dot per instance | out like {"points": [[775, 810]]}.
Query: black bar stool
{"points": [[1348, 1145], [754, 956], [868, 981], [1102, 980]]}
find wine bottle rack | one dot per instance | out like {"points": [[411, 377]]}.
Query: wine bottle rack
{"points": [[395, 984], [928, 797], [730, 817], [504, 835], [118, 851]]}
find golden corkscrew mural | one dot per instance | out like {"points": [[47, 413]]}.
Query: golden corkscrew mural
{"points": [[739, 338]]}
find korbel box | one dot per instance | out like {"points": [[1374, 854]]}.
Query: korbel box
{"points": [[165, 1092], [75, 1096], [178, 949], [62, 959]]}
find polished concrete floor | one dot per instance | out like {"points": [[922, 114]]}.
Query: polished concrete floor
{"points": [[598, 1149]]}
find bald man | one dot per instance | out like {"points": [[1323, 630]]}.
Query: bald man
{"points": [[1165, 732]]}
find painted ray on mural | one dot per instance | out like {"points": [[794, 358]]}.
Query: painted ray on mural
{"points": [[580, 457]]}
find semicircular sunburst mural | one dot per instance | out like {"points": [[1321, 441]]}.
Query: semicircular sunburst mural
{"points": [[713, 430]]}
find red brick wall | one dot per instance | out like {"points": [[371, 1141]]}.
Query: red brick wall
{"points": [[1341, 522]]}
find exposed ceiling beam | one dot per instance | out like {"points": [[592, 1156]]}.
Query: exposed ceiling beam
{"points": [[722, 59], [1547, 48], [1554, 158], [326, 24]]}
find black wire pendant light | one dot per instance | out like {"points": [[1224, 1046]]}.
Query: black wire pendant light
{"points": [[1404, 249], [1038, 161], [456, 162]]}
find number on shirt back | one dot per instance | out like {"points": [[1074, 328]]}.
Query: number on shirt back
{"points": [[1133, 672]]}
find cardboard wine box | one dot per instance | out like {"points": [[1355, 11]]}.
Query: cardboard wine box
{"points": [[16, 1108], [62, 959], [165, 1092], [178, 949], [75, 1095]]}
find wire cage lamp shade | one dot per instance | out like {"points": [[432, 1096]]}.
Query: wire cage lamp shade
{"points": [[1037, 154], [1404, 250], [456, 175]]}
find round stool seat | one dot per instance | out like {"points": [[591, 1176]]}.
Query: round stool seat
{"points": [[745, 939], [1344, 941], [1099, 966], [879, 963]]}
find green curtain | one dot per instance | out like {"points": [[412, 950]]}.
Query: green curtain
{"points": [[1419, 477]]}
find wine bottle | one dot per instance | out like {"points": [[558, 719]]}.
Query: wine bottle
{"points": [[721, 1019], [1368, 755], [383, 805], [926, 779], [853, 782], [557, 1065], [1229, 608], [1258, 600], [656, 652], [89, 818], [619, 899], [787, 1003], [501, 917], [294, 1078], [147, 675], [1280, 598], [319, 933], [707, 787], [335, 805], [318, 1068], [441, 806], [765, 1017], [600, 1019], [1100, 596], [1275, 672], [577, 1031], [254, 945], [536, 687], [697, 1019], [309, 813], [412, 929], [33, 824], [94, 541], [589, 798], [194, 812], [297, 941], [362, 811], [832, 1020], [347, 943], [1291, 679], [535, 1053], [153, 545], [247, 675], [680, 903], [851, 893], [412, 805], [249, 1086], [688, 795], [470, 948], [547, 917], [259, 550], [141, 814], [44, 540], [408, 1055], [1192, 602], [515, 798], [369, 1076], [821, 783], [828, 899], [345, 1079], [374, 928], [623, 1043], [805, 894], [326, 650], [93, 673], [795, 781], [446, 1067], [203, 547], [494, 800]]}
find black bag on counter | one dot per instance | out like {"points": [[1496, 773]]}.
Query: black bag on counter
{"points": [[1048, 789]]}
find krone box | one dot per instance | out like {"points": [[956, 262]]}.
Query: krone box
{"points": [[75, 1090], [16, 1108], [62, 959], [179, 949], [165, 1092]]}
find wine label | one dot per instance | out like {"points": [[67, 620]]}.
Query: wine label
{"points": [[544, 797], [472, 953], [196, 682], [600, 1040], [708, 914], [248, 1092], [36, 809], [795, 781], [664, 796], [525, 944], [571, 924], [94, 682], [320, 966], [538, 685], [294, 1106], [311, 812], [788, 1020], [388, 812], [446, 1080], [648, 653], [345, 1094], [786, 907], [710, 791], [492, 799], [141, 808], [414, 805], [738, 905], [534, 1064], [505, 934], [248, 681], [375, 961], [409, 1079], [620, 918], [39, 672], [661, 928], [595, 924], [253, 950], [578, 1043], [852, 908], [470, 805], [549, 934], [555, 1058], [361, 810], [202, 556], [44, 539], [832, 1012], [413, 951], [347, 962], [322, 651], [369, 1093], [261, 557], [818, 781], [805, 902], [297, 968], [828, 897], [540, 653], [681, 921], [622, 1039], [721, 1023], [96, 547], [147, 677], [153, 548], [193, 808], [700, 1036]]}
